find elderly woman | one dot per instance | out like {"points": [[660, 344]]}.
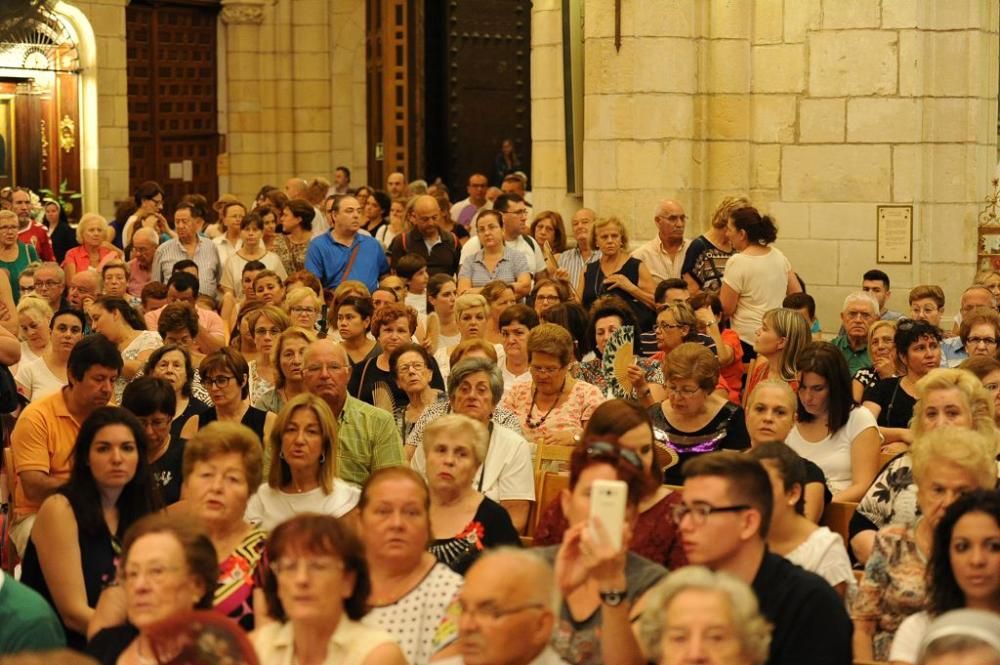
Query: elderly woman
{"points": [[947, 462], [94, 248], [463, 521], [475, 387], [226, 375], [697, 615], [548, 293], [885, 364], [121, 324], [353, 316], [918, 348], [839, 436], [516, 323], [373, 380], [891, 499], [412, 593], [553, 407], [70, 557], [266, 325], [411, 365], [318, 591], [296, 232], [303, 473], [779, 342], [286, 357], [548, 228], [791, 534], [47, 374], [167, 567], [495, 261], [757, 277], [987, 370], [222, 465], [617, 273], [173, 363], [34, 318], [655, 536], [304, 307], [964, 570], [587, 564], [980, 331], [499, 296], [770, 416], [153, 402], [14, 254], [694, 419]]}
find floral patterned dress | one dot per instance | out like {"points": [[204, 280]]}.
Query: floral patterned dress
{"points": [[239, 574], [572, 414]]}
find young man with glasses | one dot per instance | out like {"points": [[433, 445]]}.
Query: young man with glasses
{"points": [[664, 253], [723, 521]]}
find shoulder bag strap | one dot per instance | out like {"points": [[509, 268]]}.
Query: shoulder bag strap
{"points": [[350, 262]]}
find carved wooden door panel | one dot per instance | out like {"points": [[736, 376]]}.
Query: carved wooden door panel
{"points": [[478, 80], [172, 104]]}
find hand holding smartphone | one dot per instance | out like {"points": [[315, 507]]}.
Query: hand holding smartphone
{"points": [[608, 499]]}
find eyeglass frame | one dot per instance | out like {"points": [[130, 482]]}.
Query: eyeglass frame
{"points": [[700, 512]]}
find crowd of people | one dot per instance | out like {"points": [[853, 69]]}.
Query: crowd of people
{"points": [[312, 429]]}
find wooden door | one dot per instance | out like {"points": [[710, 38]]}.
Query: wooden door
{"points": [[172, 106], [478, 87]]}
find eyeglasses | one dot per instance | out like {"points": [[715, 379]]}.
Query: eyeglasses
{"points": [[519, 213], [686, 391], [488, 612], [664, 327], [699, 512], [302, 309], [988, 341], [319, 367], [155, 574], [410, 367], [273, 332], [544, 371], [600, 449], [929, 309], [46, 284], [155, 423], [543, 298], [221, 380], [317, 566]]}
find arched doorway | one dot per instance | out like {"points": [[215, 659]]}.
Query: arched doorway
{"points": [[40, 142]]}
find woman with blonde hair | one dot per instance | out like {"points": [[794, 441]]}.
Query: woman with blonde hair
{"points": [[94, 249], [781, 338], [944, 396], [286, 357], [472, 314], [304, 307], [885, 364], [33, 318], [991, 280], [303, 473], [617, 273]]}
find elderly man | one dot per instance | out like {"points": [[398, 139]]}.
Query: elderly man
{"points": [[859, 313], [189, 244], [144, 244], [723, 520], [344, 253], [84, 289], [30, 232], [953, 352], [427, 239], [463, 211], [50, 283], [573, 262], [664, 254], [295, 188], [508, 613], [367, 437]]}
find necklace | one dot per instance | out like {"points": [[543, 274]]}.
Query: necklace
{"points": [[529, 421]]}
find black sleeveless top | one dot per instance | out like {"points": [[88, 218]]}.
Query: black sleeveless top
{"points": [[593, 288], [254, 419]]}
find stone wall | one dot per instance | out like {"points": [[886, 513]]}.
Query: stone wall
{"points": [[819, 109]]}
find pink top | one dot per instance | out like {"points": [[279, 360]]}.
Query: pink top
{"points": [[79, 258], [572, 414]]}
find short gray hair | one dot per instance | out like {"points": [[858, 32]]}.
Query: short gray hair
{"points": [[54, 267], [861, 296], [147, 233], [752, 630], [469, 366], [465, 428], [544, 583]]}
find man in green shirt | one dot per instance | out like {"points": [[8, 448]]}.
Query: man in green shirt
{"points": [[367, 438], [860, 312], [27, 622]]}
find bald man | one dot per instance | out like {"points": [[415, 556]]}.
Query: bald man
{"points": [[295, 188], [574, 261], [426, 238], [508, 611], [367, 437], [395, 185], [664, 254]]}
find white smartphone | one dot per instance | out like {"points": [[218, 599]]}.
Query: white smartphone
{"points": [[607, 503]]}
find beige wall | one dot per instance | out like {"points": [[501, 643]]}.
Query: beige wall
{"points": [[820, 109]]}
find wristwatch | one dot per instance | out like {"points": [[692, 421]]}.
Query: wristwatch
{"points": [[612, 598]]}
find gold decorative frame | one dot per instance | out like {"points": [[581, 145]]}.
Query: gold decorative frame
{"points": [[8, 145]]}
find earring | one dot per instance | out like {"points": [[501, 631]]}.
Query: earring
{"points": [[281, 454], [322, 458]]}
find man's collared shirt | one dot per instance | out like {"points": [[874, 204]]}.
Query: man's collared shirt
{"points": [[137, 278], [953, 352], [367, 440], [659, 262], [226, 247], [206, 255], [855, 359], [572, 262], [327, 259]]}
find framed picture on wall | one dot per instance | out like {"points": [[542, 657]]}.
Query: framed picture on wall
{"points": [[7, 151]]}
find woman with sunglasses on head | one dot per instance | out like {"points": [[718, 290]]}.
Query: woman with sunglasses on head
{"points": [[694, 419], [602, 586], [655, 535]]}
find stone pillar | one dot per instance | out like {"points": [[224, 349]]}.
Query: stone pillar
{"points": [[348, 91]]}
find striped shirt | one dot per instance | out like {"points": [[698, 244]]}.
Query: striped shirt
{"points": [[205, 255], [508, 268], [572, 262]]}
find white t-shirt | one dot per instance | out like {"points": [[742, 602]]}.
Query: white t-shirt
{"points": [[906, 644], [824, 553], [536, 260], [232, 271], [509, 378], [833, 453], [761, 282], [270, 507], [507, 474], [417, 301], [37, 379]]}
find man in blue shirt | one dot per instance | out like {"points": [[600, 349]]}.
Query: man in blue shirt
{"points": [[343, 253]]}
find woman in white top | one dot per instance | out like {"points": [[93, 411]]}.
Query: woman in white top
{"points": [[319, 592], [396, 226], [473, 315], [33, 318], [121, 324], [253, 249], [48, 374], [791, 534], [839, 437], [303, 474], [757, 278]]}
